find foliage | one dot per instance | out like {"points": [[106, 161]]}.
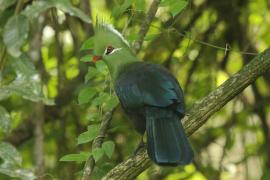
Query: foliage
{"points": [[49, 87]]}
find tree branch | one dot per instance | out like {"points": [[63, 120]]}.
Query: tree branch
{"points": [[146, 24], [90, 163], [200, 112]]}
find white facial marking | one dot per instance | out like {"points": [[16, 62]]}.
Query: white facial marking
{"points": [[113, 51]]}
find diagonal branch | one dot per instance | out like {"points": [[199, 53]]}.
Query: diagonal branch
{"points": [[146, 24], [200, 112], [90, 163]]}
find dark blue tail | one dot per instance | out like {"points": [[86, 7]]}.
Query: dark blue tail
{"points": [[167, 143]]}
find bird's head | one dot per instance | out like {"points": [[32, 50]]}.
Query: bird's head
{"points": [[108, 41]]}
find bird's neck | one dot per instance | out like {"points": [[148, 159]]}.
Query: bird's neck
{"points": [[117, 63]]}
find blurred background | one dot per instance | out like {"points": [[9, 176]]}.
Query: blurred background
{"points": [[52, 98]]}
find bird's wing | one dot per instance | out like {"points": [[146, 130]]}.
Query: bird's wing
{"points": [[149, 84]]}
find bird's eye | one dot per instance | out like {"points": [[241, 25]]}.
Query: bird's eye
{"points": [[109, 50]]}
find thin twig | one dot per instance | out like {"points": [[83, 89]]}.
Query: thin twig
{"points": [[97, 143], [174, 30], [146, 24]]}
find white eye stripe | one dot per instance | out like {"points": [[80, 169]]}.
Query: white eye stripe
{"points": [[113, 51], [116, 49]]}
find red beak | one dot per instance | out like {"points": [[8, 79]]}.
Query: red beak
{"points": [[96, 58]]}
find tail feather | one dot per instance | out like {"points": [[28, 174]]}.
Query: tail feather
{"points": [[167, 143]]}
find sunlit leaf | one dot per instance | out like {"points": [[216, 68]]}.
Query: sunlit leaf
{"points": [[4, 120], [4, 92], [89, 135], [16, 172], [139, 5], [108, 148], [5, 4], [67, 7], [112, 103], [9, 154], [12, 161], [120, 9], [37, 7], [15, 33], [176, 6], [92, 72], [27, 83], [87, 58], [150, 37], [88, 44], [86, 94], [101, 99], [76, 157], [97, 153], [134, 37], [64, 5], [101, 66]]}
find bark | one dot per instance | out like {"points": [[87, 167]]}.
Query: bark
{"points": [[90, 163], [200, 112], [39, 140], [146, 24], [38, 114]]}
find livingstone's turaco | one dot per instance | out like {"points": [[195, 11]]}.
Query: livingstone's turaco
{"points": [[150, 96]]}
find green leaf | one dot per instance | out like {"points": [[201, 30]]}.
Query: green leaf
{"points": [[86, 94], [4, 120], [139, 5], [102, 98], [5, 4], [28, 82], [101, 66], [38, 7], [4, 92], [176, 6], [92, 72], [97, 153], [94, 117], [76, 157], [15, 33], [87, 58], [89, 135], [120, 9], [134, 37], [23, 67], [108, 148], [9, 154], [67, 7], [112, 103], [16, 172], [88, 44], [94, 127], [12, 162], [150, 37]]}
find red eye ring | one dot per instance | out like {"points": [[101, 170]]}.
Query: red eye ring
{"points": [[109, 49]]}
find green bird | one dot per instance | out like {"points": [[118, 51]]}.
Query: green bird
{"points": [[150, 96]]}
